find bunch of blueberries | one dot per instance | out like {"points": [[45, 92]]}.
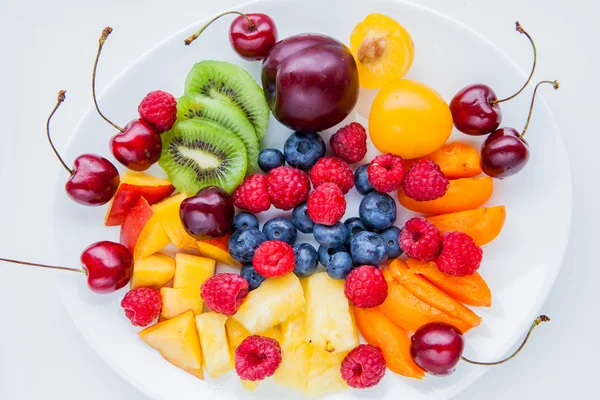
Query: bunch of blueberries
{"points": [[368, 239]]}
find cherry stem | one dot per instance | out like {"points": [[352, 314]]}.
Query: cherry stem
{"points": [[536, 322], [195, 36], [555, 84], [524, 32], [107, 31], [43, 265], [60, 99]]}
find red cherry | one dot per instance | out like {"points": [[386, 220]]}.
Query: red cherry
{"points": [[505, 152], [476, 109], [208, 214], [253, 35], [138, 146], [250, 35], [108, 266]]}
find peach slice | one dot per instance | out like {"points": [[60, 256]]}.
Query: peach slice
{"points": [[192, 271], [481, 224], [135, 185], [167, 212], [456, 160], [218, 249], [176, 301], [141, 231], [463, 194], [153, 272]]}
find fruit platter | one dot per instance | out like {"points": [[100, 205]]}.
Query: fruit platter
{"points": [[299, 200]]}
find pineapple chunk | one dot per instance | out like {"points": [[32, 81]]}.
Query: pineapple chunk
{"points": [[273, 302], [273, 333], [324, 375], [329, 320], [218, 358], [236, 333], [177, 301], [178, 342], [167, 212], [153, 272], [294, 368], [192, 271]]}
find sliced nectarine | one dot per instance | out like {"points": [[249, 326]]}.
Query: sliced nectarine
{"points": [[378, 330], [177, 301], [482, 224], [471, 289], [134, 223], [218, 250], [135, 185], [167, 211], [153, 272], [463, 194], [192, 271], [456, 160]]}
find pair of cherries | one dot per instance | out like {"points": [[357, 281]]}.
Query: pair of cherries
{"points": [[476, 111]]}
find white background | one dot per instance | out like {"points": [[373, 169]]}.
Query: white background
{"points": [[50, 45]]}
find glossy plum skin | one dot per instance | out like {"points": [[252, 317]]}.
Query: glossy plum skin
{"points": [[310, 82], [437, 347], [138, 146], [108, 265], [94, 180], [208, 214], [253, 44], [504, 153], [473, 112]]}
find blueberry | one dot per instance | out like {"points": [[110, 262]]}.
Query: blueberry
{"points": [[361, 180], [368, 248], [325, 253], [269, 159], [244, 221], [331, 236], [254, 278], [280, 229], [390, 238], [303, 150], [339, 265], [354, 226], [243, 244], [301, 220], [377, 211], [307, 260]]}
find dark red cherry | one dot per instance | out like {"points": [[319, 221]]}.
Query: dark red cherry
{"points": [[108, 266], [476, 109], [208, 214], [437, 347], [94, 180], [250, 35], [253, 35], [138, 146], [504, 153]]}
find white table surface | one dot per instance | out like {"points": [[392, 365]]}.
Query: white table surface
{"points": [[50, 45]]}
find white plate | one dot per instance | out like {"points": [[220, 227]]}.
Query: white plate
{"points": [[520, 266]]}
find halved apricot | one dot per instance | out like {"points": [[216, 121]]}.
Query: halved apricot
{"points": [[482, 224], [471, 290], [456, 160], [463, 194]]}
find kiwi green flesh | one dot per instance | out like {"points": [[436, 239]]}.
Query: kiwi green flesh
{"points": [[199, 153], [230, 83], [201, 107]]}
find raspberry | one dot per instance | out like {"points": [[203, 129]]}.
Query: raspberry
{"points": [[425, 181], [420, 239], [326, 204], [252, 194], [363, 367], [142, 305], [332, 169], [350, 143], [460, 255], [274, 258], [386, 172], [287, 187], [160, 109], [257, 358], [365, 287], [223, 293]]}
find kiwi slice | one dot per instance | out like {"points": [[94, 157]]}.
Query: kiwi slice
{"points": [[200, 153], [205, 108], [231, 83]]}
